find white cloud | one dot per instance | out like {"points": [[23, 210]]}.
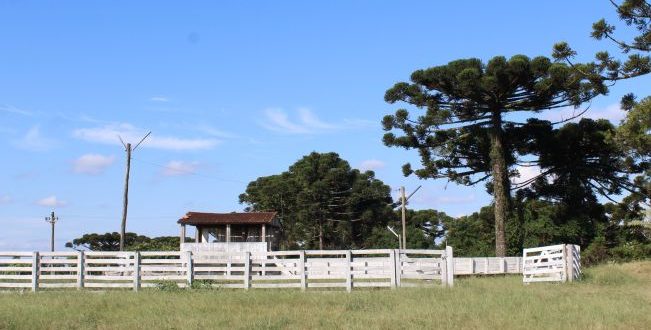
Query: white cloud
{"points": [[5, 199], [179, 167], [51, 201], [92, 164], [526, 173], [371, 165], [456, 199], [109, 134], [306, 122], [33, 140], [613, 113], [159, 99], [14, 110]]}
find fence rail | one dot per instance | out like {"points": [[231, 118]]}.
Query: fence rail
{"points": [[487, 266], [556, 263], [345, 269]]}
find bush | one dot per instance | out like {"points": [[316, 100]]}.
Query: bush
{"points": [[202, 285], [167, 286]]}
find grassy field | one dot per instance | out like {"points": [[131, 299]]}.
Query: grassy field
{"points": [[609, 297]]}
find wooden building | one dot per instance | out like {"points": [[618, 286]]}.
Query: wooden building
{"points": [[245, 231]]}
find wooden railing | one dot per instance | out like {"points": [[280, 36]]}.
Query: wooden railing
{"points": [[487, 266], [556, 263], [345, 269]]}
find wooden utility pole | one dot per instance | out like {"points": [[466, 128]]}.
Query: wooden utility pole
{"points": [[52, 220], [125, 199], [125, 203], [403, 206], [403, 202]]}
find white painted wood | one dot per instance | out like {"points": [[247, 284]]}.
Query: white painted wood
{"points": [[449, 265], [247, 270], [302, 270], [189, 271], [349, 276], [136, 271], [35, 262], [15, 285]]}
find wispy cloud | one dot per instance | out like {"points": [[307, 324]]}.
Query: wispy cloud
{"points": [[371, 165], [92, 164], [305, 122], [159, 99], [526, 173], [5, 199], [613, 113], [14, 110], [179, 167], [456, 199], [33, 140], [109, 134], [51, 201]]}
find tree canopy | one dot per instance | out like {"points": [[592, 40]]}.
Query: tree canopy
{"points": [[323, 203], [464, 134]]}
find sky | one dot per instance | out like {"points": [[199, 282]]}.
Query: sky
{"points": [[232, 91]]}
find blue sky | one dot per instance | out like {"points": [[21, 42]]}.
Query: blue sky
{"points": [[231, 92]]}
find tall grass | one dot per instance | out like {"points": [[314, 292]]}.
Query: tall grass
{"points": [[610, 297]]}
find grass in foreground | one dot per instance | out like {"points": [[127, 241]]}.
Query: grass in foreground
{"points": [[609, 297]]}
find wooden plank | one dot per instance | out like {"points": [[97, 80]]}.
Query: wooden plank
{"points": [[275, 277], [326, 252], [123, 269], [162, 269], [107, 285], [15, 269], [108, 278], [423, 252], [371, 251], [159, 253], [276, 285], [15, 285], [162, 277], [58, 254], [326, 284], [15, 277], [218, 277], [160, 261], [543, 248], [91, 254], [371, 276], [371, 284], [58, 261]]}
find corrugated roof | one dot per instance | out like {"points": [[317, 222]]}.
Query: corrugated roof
{"points": [[203, 218]]}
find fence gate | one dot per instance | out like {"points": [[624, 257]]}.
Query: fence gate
{"points": [[556, 263]]}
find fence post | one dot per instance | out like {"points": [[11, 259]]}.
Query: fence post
{"points": [[502, 265], [444, 269], [450, 265], [35, 264], [136, 271], [569, 262], [349, 274], [80, 270], [392, 262], [247, 270], [486, 266], [398, 267], [303, 273], [188, 268]]}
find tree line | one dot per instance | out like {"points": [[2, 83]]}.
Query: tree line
{"points": [[475, 122]]}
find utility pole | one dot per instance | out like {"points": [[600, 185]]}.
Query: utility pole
{"points": [[125, 203], [403, 205], [52, 220]]}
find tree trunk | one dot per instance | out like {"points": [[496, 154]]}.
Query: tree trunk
{"points": [[501, 192], [320, 235]]}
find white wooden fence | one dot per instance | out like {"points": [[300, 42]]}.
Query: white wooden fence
{"points": [[557, 263], [487, 266], [346, 269]]}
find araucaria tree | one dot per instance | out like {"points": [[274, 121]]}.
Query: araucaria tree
{"points": [[466, 133]]}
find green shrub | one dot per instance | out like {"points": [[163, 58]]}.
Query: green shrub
{"points": [[167, 286]]}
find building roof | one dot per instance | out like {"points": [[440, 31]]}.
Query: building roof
{"points": [[234, 218]]}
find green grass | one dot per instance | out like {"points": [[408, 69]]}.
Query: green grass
{"points": [[609, 297]]}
